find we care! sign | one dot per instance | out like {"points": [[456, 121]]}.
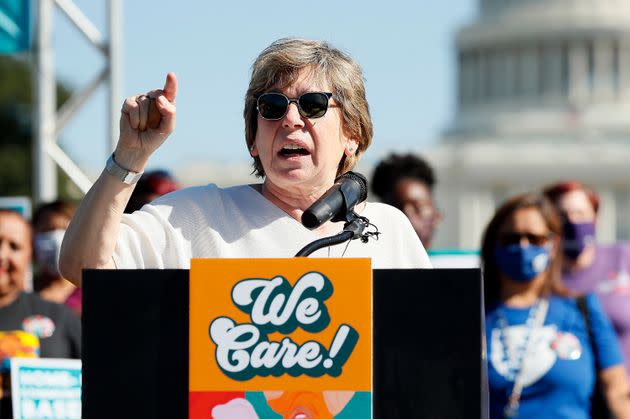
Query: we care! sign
{"points": [[274, 338]]}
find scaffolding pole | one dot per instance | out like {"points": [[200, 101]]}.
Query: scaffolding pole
{"points": [[44, 169], [114, 70], [48, 122]]}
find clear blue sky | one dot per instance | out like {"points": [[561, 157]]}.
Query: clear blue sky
{"points": [[404, 47]]}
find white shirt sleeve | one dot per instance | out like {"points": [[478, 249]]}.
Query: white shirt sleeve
{"points": [[147, 239]]}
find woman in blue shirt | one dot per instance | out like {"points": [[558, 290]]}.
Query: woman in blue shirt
{"points": [[541, 362]]}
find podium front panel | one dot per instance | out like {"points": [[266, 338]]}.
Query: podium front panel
{"points": [[428, 329], [427, 334], [135, 344]]}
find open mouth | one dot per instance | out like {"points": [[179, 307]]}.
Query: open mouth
{"points": [[292, 150]]}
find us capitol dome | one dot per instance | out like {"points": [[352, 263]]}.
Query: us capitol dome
{"points": [[543, 95]]}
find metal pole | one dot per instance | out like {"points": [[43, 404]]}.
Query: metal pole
{"points": [[115, 29], [44, 168]]}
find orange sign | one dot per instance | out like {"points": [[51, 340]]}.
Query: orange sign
{"points": [[280, 324]]}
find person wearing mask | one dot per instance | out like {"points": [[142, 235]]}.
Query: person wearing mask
{"points": [[57, 328], [544, 351], [30, 327], [151, 186], [406, 181], [589, 266], [50, 222]]}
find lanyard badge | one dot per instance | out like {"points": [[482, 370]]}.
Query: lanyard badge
{"points": [[535, 320]]}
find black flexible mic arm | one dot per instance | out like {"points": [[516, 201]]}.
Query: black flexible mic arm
{"points": [[353, 229]]}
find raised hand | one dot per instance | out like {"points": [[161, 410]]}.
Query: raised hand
{"points": [[146, 121]]}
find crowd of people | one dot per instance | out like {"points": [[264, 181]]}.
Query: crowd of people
{"points": [[547, 345], [40, 310], [557, 322]]}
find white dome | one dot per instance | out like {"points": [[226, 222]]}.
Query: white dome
{"points": [[531, 68]]}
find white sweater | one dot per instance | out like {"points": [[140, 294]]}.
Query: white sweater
{"points": [[238, 222]]}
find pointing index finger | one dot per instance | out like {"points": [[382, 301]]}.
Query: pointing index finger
{"points": [[170, 87]]}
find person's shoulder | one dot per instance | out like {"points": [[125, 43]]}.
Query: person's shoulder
{"points": [[199, 202], [614, 257], [387, 217], [571, 302], [622, 247], [592, 302], [380, 209], [492, 308], [34, 299], [38, 305], [564, 301], [190, 193], [194, 199]]}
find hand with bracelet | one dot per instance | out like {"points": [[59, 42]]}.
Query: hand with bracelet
{"points": [[146, 121]]}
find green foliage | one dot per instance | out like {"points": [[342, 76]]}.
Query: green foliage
{"points": [[16, 128]]}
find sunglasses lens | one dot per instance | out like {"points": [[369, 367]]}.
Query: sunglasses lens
{"points": [[314, 104], [507, 239], [272, 105], [538, 240]]}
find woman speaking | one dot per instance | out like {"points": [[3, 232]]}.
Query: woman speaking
{"points": [[306, 123]]}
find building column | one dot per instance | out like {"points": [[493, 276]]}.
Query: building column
{"points": [[579, 90], [603, 56], [502, 74], [467, 78], [510, 68], [475, 208], [530, 74], [552, 71], [623, 72], [482, 76]]}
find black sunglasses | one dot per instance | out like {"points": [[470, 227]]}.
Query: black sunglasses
{"points": [[514, 237], [274, 106]]}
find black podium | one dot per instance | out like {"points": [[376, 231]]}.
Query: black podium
{"points": [[427, 344]]}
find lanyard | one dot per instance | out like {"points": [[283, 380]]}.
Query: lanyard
{"points": [[535, 320]]}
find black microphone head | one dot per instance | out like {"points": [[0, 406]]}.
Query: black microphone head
{"points": [[361, 180], [349, 189]]}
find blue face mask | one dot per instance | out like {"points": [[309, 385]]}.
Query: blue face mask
{"points": [[522, 264]]}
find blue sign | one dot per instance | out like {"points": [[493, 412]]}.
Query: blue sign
{"points": [[19, 204], [46, 388], [15, 23]]}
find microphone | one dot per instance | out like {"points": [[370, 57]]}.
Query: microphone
{"points": [[349, 189]]}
